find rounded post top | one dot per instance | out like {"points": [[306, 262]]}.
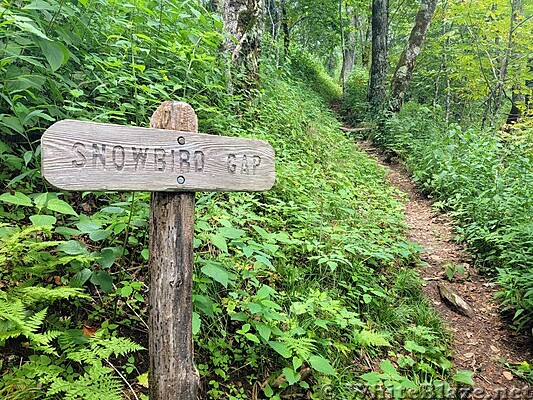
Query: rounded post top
{"points": [[175, 115]]}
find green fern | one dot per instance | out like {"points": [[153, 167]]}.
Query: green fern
{"points": [[366, 338], [98, 383], [39, 294], [303, 347], [101, 348], [26, 253], [16, 320]]}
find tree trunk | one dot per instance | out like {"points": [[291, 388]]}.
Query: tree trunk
{"points": [[377, 89], [285, 27], [343, 45], [517, 97], [350, 40], [406, 63], [366, 41], [243, 20]]}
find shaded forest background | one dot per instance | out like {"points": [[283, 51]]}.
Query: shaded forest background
{"points": [[304, 290]]}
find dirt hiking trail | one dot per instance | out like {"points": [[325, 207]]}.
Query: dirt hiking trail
{"points": [[482, 343]]}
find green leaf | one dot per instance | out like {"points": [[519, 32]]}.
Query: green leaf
{"points": [[43, 220], [113, 210], [143, 380], [61, 207], [413, 346], [369, 338], [464, 376], [254, 308], [79, 279], [204, 303], [108, 256], [281, 348], [55, 52], [268, 391], [220, 242], [30, 28], [251, 337], [263, 330], [126, 291], [39, 5], [240, 316], [230, 232], [193, 38], [88, 226], [102, 279], [264, 234], [27, 121], [291, 375], [216, 271], [320, 364], [19, 199], [73, 248], [264, 292], [144, 254], [196, 322], [264, 260], [41, 199], [27, 157], [322, 323], [387, 367], [66, 232], [372, 378], [100, 234]]}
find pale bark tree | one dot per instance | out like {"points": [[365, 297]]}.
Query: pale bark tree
{"points": [[349, 41], [243, 20], [377, 88], [366, 40], [517, 97], [406, 63]]}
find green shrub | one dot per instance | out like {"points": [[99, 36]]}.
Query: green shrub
{"points": [[483, 179], [354, 103], [311, 71]]}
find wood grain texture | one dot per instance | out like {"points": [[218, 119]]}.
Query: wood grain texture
{"points": [[78, 155], [173, 375]]}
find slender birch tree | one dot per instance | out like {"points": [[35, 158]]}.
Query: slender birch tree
{"points": [[406, 63]]}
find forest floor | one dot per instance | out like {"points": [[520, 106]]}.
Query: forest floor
{"points": [[484, 343]]}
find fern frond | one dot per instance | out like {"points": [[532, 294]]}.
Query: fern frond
{"points": [[98, 383], [303, 347], [102, 348], [37, 294], [423, 332], [366, 338], [15, 320]]}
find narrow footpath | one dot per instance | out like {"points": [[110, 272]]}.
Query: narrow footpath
{"points": [[483, 343]]}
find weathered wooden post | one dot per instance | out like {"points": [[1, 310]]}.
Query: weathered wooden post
{"points": [[172, 371], [173, 161]]}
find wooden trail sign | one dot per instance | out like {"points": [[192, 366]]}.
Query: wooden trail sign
{"points": [[78, 155], [173, 162]]}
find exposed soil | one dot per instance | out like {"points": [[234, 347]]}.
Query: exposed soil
{"points": [[485, 342]]}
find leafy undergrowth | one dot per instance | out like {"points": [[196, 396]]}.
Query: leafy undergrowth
{"points": [[484, 180], [300, 289], [305, 290]]}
